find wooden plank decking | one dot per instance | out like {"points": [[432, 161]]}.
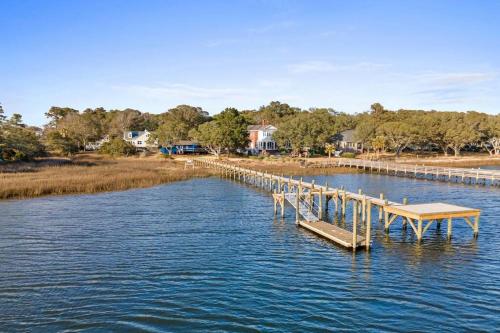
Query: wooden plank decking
{"points": [[333, 233], [417, 215]]}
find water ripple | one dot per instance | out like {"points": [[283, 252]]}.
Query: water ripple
{"points": [[207, 255]]}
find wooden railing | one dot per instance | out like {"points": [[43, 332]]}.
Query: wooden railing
{"points": [[464, 175]]}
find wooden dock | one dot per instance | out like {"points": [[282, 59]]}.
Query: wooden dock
{"points": [[311, 200], [456, 175]]}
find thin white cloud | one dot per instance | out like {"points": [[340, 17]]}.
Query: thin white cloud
{"points": [[446, 79], [179, 90], [452, 88], [328, 67]]}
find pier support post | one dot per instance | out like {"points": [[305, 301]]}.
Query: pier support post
{"points": [[360, 207], [386, 218], [405, 202], [363, 209], [419, 230], [476, 225], [344, 202], [354, 226], [282, 203], [327, 198], [275, 203], [297, 201], [380, 209], [320, 203], [368, 224]]}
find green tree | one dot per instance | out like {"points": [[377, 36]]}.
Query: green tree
{"points": [[117, 147], [273, 113], [176, 124], [81, 128], [306, 130], [211, 136], [60, 144], [330, 149], [459, 133], [16, 120], [56, 113], [2, 115], [491, 138], [378, 143], [366, 129], [399, 135], [227, 132], [127, 120], [19, 143]]}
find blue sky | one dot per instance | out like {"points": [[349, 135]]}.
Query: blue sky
{"points": [[153, 55]]}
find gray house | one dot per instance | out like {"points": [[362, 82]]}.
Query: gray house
{"points": [[346, 142]]}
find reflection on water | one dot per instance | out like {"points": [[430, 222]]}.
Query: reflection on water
{"points": [[208, 255]]}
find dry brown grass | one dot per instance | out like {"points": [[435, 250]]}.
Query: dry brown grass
{"points": [[90, 173], [466, 161], [289, 167]]}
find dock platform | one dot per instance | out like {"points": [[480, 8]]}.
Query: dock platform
{"points": [[429, 213], [333, 233]]}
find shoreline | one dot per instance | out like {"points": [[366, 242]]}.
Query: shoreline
{"points": [[89, 173]]}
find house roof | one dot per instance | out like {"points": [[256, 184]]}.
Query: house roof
{"points": [[348, 136], [261, 127]]}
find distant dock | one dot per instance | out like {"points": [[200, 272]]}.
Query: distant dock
{"points": [[456, 175], [310, 201]]}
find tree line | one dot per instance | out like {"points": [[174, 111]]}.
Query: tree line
{"points": [[316, 130], [383, 130]]}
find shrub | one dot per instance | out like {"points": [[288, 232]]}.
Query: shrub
{"points": [[349, 155], [19, 143], [117, 147], [61, 144]]}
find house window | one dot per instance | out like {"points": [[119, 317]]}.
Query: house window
{"points": [[139, 142], [130, 135]]}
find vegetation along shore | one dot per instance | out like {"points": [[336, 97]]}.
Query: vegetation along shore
{"points": [[90, 173]]}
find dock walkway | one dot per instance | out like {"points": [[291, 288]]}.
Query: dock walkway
{"points": [[310, 200], [457, 175]]}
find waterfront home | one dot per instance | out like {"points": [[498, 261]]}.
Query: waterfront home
{"points": [[347, 142], [261, 139], [139, 139]]}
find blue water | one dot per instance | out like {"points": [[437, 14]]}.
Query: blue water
{"points": [[208, 255], [490, 167]]}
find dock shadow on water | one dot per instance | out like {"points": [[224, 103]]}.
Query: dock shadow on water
{"points": [[208, 255]]}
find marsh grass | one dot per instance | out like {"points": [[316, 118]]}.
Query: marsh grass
{"points": [[290, 168], [90, 173]]}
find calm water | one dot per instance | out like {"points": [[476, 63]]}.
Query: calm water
{"points": [[491, 167], [206, 255]]}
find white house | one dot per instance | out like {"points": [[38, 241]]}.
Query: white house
{"points": [[138, 138], [261, 138]]}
